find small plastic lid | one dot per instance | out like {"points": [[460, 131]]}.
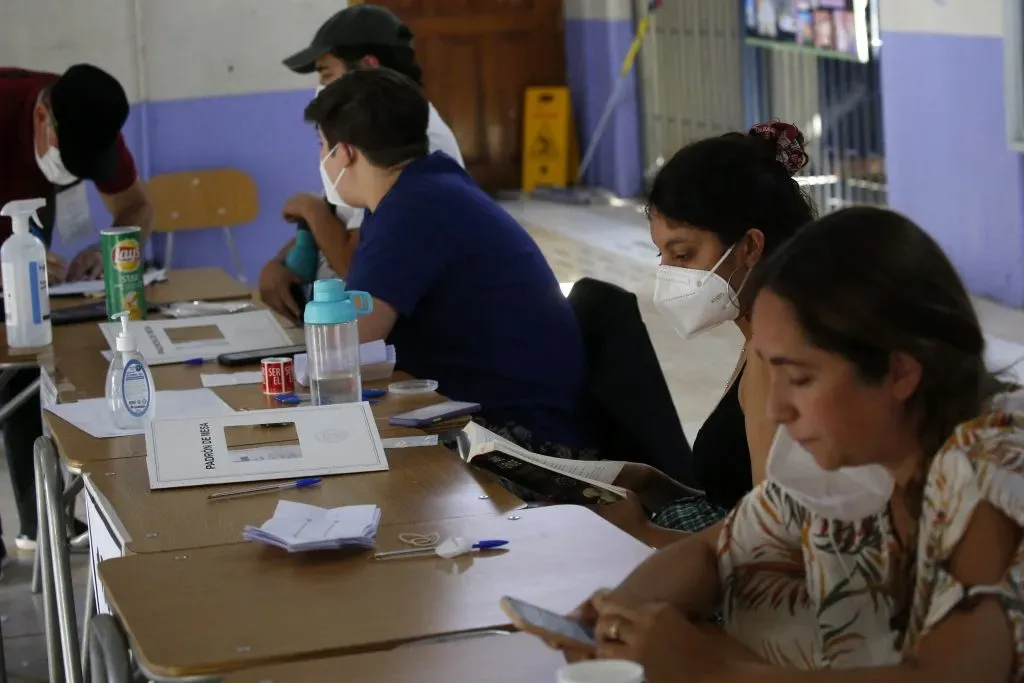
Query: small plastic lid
{"points": [[332, 304], [413, 386]]}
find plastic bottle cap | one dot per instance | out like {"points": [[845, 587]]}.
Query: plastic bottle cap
{"points": [[20, 211], [125, 340], [332, 304], [413, 386]]}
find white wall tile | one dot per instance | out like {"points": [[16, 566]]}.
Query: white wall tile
{"points": [[51, 35], [603, 10], [203, 48], [953, 17]]}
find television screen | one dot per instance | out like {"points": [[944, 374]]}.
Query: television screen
{"points": [[830, 28]]}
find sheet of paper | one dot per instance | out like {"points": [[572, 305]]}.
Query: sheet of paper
{"points": [[370, 353], [83, 287], [180, 339], [298, 527], [228, 379], [94, 418], [336, 439], [74, 222]]}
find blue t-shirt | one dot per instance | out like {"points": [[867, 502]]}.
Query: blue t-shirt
{"points": [[479, 309]]}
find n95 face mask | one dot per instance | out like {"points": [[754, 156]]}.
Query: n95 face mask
{"points": [[695, 300], [331, 188], [849, 494]]}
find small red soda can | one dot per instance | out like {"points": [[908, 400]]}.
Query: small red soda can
{"points": [[278, 376]]}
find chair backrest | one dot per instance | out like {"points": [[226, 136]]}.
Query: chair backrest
{"points": [[629, 399], [193, 200]]}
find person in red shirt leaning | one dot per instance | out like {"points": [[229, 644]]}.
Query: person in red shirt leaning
{"points": [[55, 132]]}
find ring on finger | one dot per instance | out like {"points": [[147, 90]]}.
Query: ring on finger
{"points": [[613, 630]]}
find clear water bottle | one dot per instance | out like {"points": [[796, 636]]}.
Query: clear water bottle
{"points": [[332, 342]]}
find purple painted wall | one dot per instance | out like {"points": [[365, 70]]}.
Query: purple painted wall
{"points": [[263, 135], [949, 166], [594, 51]]}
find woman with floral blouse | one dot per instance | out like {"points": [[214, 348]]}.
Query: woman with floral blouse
{"points": [[885, 544]]}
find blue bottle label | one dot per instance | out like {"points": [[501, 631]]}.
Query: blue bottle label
{"points": [[135, 389]]}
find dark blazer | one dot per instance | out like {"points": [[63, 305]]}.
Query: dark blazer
{"points": [[629, 401]]}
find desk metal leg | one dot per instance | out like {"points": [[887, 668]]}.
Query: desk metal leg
{"points": [[58, 548], [87, 619], [22, 396], [45, 574], [109, 658]]}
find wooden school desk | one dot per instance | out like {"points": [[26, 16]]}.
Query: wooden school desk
{"points": [[515, 658], [420, 484], [220, 609]]}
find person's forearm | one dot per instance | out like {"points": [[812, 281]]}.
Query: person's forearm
{"points": [[684, 574], [904, 673], [660, 537], [138, 215]]}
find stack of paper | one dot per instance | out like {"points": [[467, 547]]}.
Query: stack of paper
{"points": [[297, 527], [376, 360]]}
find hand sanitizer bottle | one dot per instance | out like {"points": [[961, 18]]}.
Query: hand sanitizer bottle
{"points": [[130, 392], [23, 265]]}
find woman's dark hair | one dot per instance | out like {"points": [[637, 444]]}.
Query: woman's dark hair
{"points": [[865, 283], [734, 182], [400, 59]]}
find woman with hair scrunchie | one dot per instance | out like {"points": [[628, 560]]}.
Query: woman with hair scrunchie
{"points": [[717, 209]]}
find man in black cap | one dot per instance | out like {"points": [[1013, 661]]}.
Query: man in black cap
{"points": [[359, 36], [55, 132]]}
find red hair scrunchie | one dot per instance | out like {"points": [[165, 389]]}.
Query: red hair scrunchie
{"points": [[789, 143]]}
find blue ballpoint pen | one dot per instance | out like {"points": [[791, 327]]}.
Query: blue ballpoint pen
{"points": [[299, 484], [195, 361], [413, 552]]}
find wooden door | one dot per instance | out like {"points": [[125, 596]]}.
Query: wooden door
{"points": [[478, 57]]}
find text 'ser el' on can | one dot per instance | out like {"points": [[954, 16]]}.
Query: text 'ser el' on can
{"points": [[123, 270], [278, 375]]}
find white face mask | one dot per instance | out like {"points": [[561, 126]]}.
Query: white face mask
{"points": [[52, 167], [331, 188], [695, 300], [849, 494]]}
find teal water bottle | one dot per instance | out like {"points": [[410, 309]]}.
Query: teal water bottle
{"points": [[332, 342], [304, 257]]}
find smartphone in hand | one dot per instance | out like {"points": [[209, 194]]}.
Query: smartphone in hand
{"points": [[555, 628]]}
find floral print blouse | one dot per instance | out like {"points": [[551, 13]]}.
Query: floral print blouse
{"points": [[808, 592]]}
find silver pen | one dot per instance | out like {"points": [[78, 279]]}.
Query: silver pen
{"points": [[300, 484]]}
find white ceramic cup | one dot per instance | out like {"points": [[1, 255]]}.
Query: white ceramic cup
{"points": [[602, 671]]}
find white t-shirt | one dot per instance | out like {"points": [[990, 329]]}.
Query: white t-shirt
{"points": [[441, 139]]}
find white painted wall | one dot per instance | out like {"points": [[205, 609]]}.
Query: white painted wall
{"points": [[952, 17], [188, 49]]}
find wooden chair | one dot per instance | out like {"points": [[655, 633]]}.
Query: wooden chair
{"points": [[197, 200]]}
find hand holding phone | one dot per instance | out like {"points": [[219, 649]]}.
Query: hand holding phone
{"points": [[561, 632]]}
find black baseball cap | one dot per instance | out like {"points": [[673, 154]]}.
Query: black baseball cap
{"points": [[89, 108], [355, 25]]}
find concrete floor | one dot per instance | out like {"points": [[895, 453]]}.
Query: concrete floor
{"points": [[608, 243]]}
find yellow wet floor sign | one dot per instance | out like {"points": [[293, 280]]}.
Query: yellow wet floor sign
{"points": [[550, 151]]}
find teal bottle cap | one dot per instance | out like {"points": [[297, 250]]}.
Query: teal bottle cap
{"points": [[332, 304]]}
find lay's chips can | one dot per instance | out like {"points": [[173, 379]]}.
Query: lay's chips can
{"points": [[122, 271]]}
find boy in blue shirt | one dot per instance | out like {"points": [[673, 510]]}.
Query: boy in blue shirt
{"points": [[460, 289]]}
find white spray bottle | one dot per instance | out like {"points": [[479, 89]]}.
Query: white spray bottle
{"points": [[23, 266], [130, 390]]}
